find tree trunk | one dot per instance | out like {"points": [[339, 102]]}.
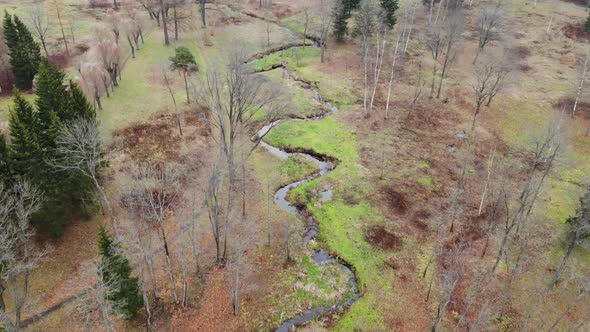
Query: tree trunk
{"points": [[164, 23], [559, 272], [115, 5], [188, 100], [203, 14], [132, 47]]}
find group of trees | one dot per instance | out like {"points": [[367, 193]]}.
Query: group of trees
{"points": [[34, 130], [172, 15], [101, 69]]}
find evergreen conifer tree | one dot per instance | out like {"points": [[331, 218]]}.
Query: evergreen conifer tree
{"points": [[389, 9], [587, 24], [342, 13], [115, 271], [23, 51]]}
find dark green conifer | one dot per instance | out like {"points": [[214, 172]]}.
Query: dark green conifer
{"points": [[24, 53], [389, 9], [115, 272]]}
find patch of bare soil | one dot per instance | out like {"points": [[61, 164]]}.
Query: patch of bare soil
{"points": [[381, 238]]}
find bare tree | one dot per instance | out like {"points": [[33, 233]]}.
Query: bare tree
{"points": [[435, 42], [181, 15], [582, 80], [79, 146], [94, 82], [451, 278], [115, 23], [578, 230], [94, 307], [108, 53], [164, 15], [203, 13], [39, 25], [153, 9], [18, 253], [544, 155], [168, 85], [489, 25], [366, 24], [57, 9], [392, 74], [490, 76], [453, 30], [325, 23], [418, 84], [234, 99], [157, 194]]}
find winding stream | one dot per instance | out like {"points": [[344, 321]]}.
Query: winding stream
{"points": [[280, 198]]}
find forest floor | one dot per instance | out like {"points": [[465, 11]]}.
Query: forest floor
{"points": [[393, 177]]}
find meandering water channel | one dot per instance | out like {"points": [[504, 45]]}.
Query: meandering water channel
{"points": [[280, 198]]}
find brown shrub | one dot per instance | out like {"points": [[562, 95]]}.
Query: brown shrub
{"points": [[575, 31], [395, 200], [381, 238], [522, 52]]}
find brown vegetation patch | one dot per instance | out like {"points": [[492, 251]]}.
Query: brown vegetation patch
{"points": [[419, 219], [381, 238], [522, 52], [566, 103], [395, 200], [575, 31]]}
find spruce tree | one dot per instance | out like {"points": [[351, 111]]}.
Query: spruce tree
{"points": [[34, 133], [24, 53], [389, 9], [5, 172], [342, 13], [24, 150], [115, 272], [587, 24]]}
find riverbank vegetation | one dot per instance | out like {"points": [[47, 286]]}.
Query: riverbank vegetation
{"points": [[354, 165]]}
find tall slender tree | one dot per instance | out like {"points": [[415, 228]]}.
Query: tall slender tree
{"points": [[23, 51], [115, 270]]}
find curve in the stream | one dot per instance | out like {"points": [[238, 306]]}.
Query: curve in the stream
{"points": [[280, 198]]}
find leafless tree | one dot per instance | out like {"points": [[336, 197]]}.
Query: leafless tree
{"points": [[325, 23], [164, 15], [241, 237], [578, 230], [138, 235], [435, 42], [94, 82], [394, 57], [18, 253], [153, 9], [490, 76], [157, 193], [583, 75], [168, 85], [94, 307], [366, 24], [418, 84], [489, 25], [115, 23], [79, 146], [203, 12], [181, 15], [453, 30], [108, 53], [39, 25], [451, 278], [215, 210], [543, 157], [57, 9]]}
